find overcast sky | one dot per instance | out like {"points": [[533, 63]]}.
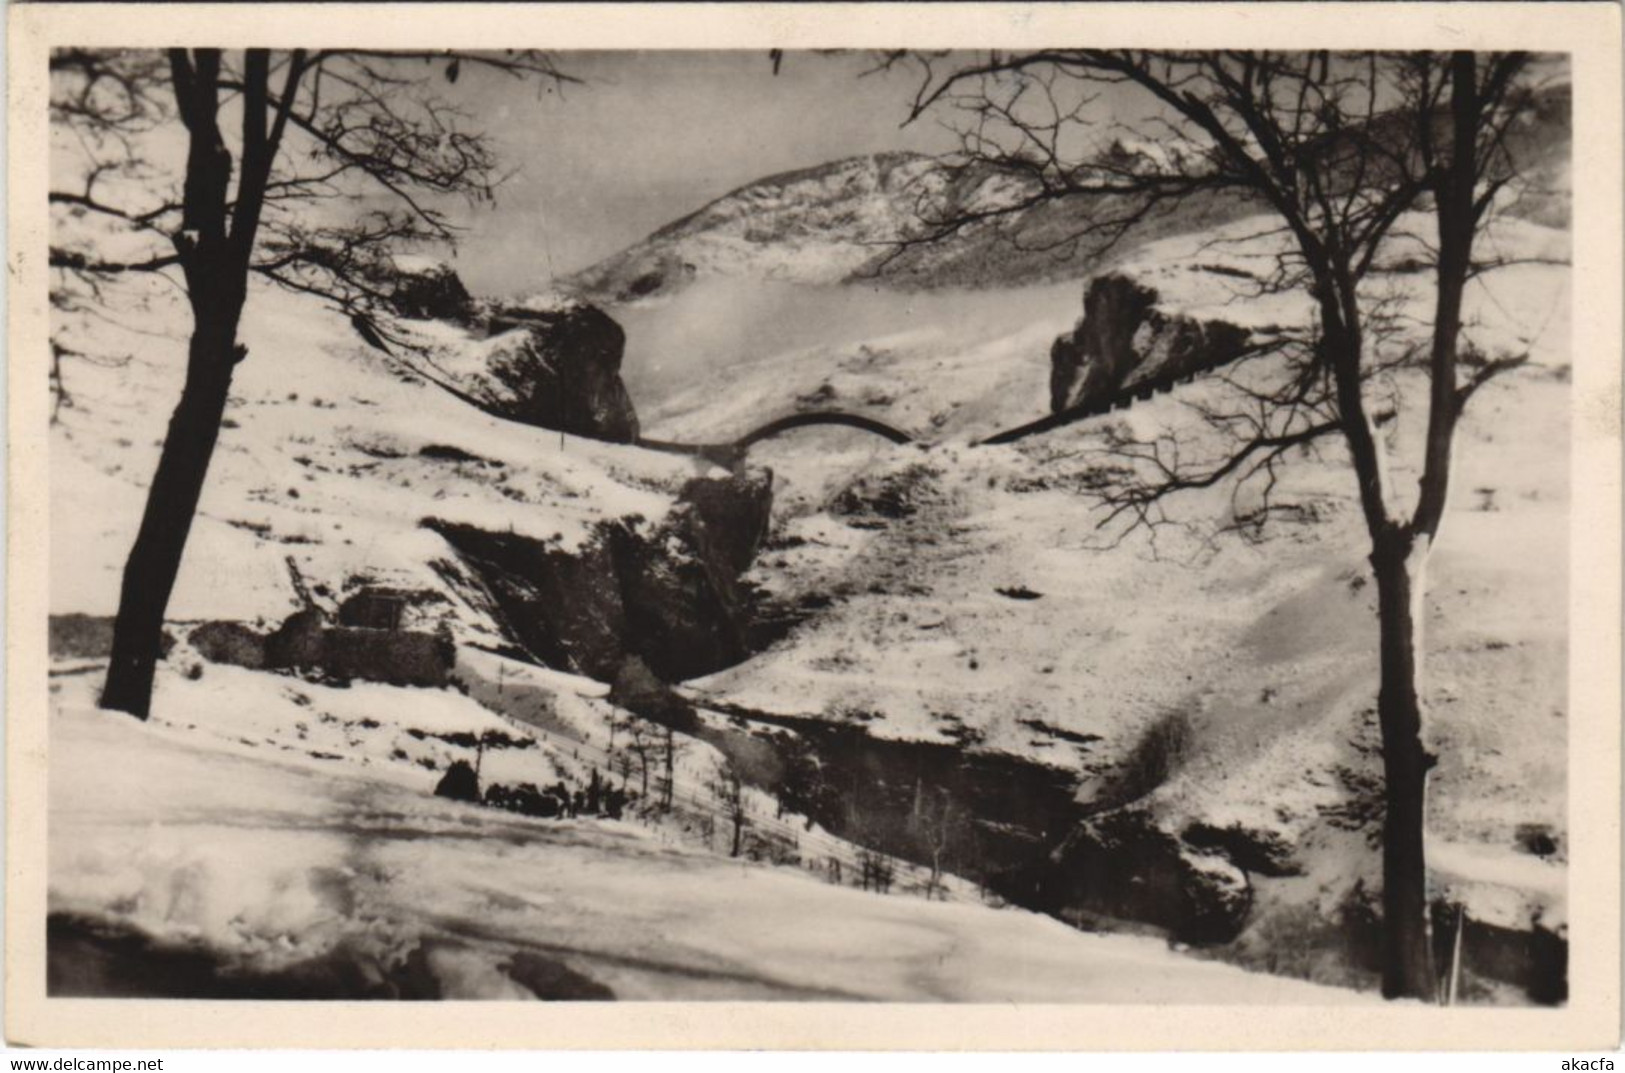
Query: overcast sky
{"points": [[652, 136]]}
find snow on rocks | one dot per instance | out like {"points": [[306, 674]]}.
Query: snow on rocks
{"points": [[556, 367], [425, 288]]}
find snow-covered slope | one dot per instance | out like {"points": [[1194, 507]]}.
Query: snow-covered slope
{"points": [[332, 455], [292, 874]]}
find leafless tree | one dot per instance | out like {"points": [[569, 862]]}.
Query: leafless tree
{"points": [[876, 871], [671, 747], [640, 742], [623, 764], [1341, 151], [935, 821], [337, 156], [729, 789]]}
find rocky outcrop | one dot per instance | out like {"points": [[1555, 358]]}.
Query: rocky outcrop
{"points": [[561, 607], [459, 783], [552, 361], [429, 290], [670, 594], [1261, 852], [640, 691], [1123, 865], [688, 612], [729, 516], [1125, 346], [559, 368]]}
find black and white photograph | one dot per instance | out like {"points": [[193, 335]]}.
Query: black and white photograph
{"points": [[1034, 525]]}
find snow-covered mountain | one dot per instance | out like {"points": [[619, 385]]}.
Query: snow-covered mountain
{"points": [[848, 221], [819, 225]]}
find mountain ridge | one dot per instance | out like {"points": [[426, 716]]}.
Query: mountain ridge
{"points": [[844, 221]]}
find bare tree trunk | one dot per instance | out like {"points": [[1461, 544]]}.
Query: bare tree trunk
{"points": [[155, 558], [671, 766], [1399, 558], [1408, 970], [216, 270]]}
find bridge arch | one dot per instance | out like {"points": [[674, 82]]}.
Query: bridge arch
{"points": [[794, 421], [731, 454]]}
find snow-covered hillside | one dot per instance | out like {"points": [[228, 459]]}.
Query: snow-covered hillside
{"points": [[963, 594], [268, 835], [332, 455]]}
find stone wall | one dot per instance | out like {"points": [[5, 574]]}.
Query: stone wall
{"points": [[306, 643]]}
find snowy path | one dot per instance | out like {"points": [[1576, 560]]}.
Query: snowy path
{"points": [[272, 864]]}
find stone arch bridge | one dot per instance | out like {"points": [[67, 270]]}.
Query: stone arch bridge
{"points": [[732, 453]]}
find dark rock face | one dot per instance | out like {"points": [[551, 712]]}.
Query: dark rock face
{"points": [[459, 783], [435, 293], [1122, 864], [671, 595], [560, 369], [1263, 853], [688, 613], [730, 515], [1089, 363], [640, 691], [1125, 345], [564, 608]]}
